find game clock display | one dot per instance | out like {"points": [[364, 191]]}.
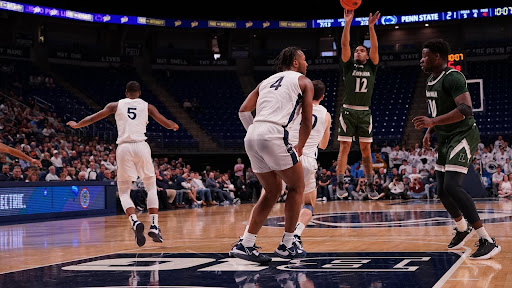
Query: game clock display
{"points": [[456, 61]]}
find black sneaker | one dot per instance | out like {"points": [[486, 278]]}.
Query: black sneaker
{"points": [[460, 237], [299, 241], [154, 232], [485, 249], [370, 189], [138, 229], [292, 252], [248, 253]]}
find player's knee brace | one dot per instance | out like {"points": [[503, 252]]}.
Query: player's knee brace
{"points": [[309, 207], [124, 188], [150, 185]]}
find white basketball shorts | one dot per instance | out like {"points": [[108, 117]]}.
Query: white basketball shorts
{"points": [[268, 148], [134, 159]]}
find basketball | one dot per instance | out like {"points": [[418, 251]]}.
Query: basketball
{"points": [[350, 4]]}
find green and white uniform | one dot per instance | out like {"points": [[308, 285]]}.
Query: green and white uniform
{"points": [[355, 116], [457, 141]]}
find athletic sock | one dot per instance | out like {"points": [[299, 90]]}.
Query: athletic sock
{"points": [[154, 219], [248, 239], [462, 225], [299, 228], [133, 219], [482, 233], [288, 239]]}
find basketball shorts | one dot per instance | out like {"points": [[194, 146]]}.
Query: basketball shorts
{"points": [[355, 124], [134, 159], [455, 152], [309, 166], [268, 148]]}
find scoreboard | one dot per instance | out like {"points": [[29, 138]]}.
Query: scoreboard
{"points": [[249, 24]]}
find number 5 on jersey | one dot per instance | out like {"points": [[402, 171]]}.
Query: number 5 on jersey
{"points": [[131, 113]]}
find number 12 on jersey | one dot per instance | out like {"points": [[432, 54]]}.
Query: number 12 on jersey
{"points": [[361, 85]]}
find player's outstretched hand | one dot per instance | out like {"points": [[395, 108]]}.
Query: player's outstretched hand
{"points": [[72, 124], [421, 122], [175, 127], [36, 163], [373, 18]]}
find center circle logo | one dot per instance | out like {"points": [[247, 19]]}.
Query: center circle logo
{"points": [[386, 219], [85, 198]]}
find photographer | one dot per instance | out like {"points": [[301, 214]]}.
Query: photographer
{"points": [[359, 193], [417, 189], [396, 189]]}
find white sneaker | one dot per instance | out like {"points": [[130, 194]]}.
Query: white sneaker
{"points": [[324, 199]]}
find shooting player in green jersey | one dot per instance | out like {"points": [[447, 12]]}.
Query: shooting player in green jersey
{"points": [[355, 117]]}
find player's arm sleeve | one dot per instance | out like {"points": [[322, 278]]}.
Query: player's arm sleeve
{"points": [[455, 84]]}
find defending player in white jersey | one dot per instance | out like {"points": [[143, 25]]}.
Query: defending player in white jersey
{"points": [[278, 101], [133, 154], [319, 138]]}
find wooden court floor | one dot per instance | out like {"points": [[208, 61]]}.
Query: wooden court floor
{"points": [[356, 234]]}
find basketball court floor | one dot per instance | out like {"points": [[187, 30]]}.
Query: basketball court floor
{"points": [[349, 243]]}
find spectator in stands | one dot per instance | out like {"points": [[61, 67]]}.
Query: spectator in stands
{"points": [[214, 186], [379, 188], [396, 156], [227, 188], [322, 183], [176, 197], [239, 168], [383, 177], [161, 190], [91, 173], [414, 173], [349, 183], [17, 174], [108, 176], [56, 160], [66, 160], [501, 157], [253, 185], [52, 174], [6, 172], [46, 161], [486, 157], [33, 176], [414, 158], [81, 176], [62, 176], [430, 183], [185, 182], [405, 166], [396, 189], [417, 188], [505, 188], [204, 193], [507, 168], [101, 173], [497, 177], [241, 189]]}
